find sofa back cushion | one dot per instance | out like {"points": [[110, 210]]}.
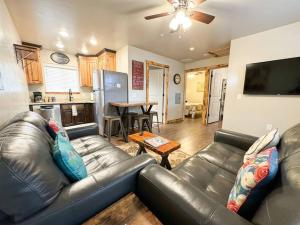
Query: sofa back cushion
{"points": [[281, 205], [29, 179], [33, 118]]}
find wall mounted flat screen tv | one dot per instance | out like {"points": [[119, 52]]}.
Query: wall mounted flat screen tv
{"points": [[279, 77]]}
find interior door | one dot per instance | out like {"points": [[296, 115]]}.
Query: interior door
{"points": [[156, 88], [217, 76]]}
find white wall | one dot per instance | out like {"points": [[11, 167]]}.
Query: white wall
{"points": [[207, 62], [85, 92], [175, 111], [251, 114], [13, 87]]}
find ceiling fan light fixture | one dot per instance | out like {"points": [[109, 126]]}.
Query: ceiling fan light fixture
{"points": [[174, 24], [180, 16], [187, 23]]}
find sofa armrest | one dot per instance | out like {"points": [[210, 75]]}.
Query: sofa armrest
{"points": [[82, 130], [238, 140], [83, 199], [176, 202]]}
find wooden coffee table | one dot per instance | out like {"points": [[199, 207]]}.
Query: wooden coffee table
{"points": [[163, 150]]}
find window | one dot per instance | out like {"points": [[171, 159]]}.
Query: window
{"points": [[58, 79]]}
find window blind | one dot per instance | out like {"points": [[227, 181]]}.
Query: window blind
{"points": [[58, 79]]}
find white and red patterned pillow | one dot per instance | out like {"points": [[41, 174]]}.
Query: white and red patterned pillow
{"points": [[252, 178], [271, 139]]}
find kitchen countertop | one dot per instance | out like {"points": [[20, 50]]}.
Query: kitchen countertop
{"points": [[62, 103]]}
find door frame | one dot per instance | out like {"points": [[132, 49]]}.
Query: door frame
{"points": [[166, 69], [207, 70]]}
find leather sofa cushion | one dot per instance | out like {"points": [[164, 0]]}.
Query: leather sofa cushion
{"points": [[29, 178], [225, 156], [97, 153], [89, 144], [211, 179], [33, 118]]}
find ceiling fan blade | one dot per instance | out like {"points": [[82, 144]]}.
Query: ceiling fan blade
{"points": [[157, 16], [202, 17]]}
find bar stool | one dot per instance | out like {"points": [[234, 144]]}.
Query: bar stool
{"points": [[109, 120], [142, 119], [152, 114], [130, 120]]}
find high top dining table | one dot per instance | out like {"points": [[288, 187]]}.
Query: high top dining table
{"points": [[122, 109]]}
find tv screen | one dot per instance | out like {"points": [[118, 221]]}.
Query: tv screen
{"points": [[279, 77]]}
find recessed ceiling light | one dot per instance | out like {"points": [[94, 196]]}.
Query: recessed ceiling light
{"points": [[64, 33], [162, 35], [192, 49], [84, 50], [179, 36], [93, 41], [60, 45]]}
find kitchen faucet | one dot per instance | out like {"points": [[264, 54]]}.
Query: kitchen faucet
{"points": [[70, 95]]}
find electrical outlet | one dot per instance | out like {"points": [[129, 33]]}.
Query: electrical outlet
{"points": [[269, 127]]}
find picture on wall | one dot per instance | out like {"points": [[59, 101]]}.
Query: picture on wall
{"points": [[200, 87], [137, 75]]}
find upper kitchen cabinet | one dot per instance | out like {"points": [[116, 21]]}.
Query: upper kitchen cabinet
{"points": [[87, 65], [30, 57], [107, 60], [104, 60]]}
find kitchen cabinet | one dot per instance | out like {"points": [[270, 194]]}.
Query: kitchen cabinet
{"points": [[104, 60], [87, 65], [85, 114], [33, 69], [107, 60]]}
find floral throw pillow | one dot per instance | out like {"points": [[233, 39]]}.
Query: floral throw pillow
{"points": [[271, 139], [251, 182]]}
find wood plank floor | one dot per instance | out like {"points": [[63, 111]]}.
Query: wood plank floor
{"points": [[130, 210]]}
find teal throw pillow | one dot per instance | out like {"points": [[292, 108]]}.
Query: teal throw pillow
{"points": [[67, 159]]}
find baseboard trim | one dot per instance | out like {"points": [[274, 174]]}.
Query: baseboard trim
{"points": [[175, 120]]}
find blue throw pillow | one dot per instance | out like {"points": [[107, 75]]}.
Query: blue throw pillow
{"points": [[68, 159]]}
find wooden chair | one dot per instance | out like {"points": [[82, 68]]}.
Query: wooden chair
{"points": [[108, 121]]}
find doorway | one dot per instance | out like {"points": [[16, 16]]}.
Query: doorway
{"points": [[194, 94], [157, 88], [217, 93]]}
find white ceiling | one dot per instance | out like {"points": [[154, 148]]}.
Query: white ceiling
{"points": [[116, 23]]}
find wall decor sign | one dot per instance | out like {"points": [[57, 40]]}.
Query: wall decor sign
{"points": [[137, 75], [60, 58]]}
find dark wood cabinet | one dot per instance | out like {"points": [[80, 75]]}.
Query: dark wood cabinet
{"points": [[85, 114]]}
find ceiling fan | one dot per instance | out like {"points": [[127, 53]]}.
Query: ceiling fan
{"points": [[183, 13]]}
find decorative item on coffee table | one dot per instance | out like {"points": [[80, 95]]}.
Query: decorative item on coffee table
{"points": [[143, 139]]}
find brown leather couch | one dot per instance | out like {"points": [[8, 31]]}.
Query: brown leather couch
{"points": [[196, 191]]}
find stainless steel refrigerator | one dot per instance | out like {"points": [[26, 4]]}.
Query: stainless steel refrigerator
{"points": [[108, 86]]}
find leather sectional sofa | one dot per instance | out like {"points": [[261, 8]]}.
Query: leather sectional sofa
{"points": [[196, 191], [33, 190]]}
